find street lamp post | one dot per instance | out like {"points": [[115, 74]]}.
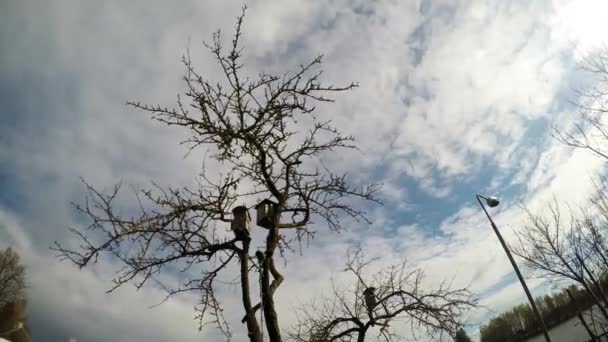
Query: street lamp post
{"points": [[493, 202]]}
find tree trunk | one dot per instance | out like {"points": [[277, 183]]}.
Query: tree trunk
{"points": [[270, 315], [253, 328], [361, 335]]}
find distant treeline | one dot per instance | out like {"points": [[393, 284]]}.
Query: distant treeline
{"points": [[520, 323]]}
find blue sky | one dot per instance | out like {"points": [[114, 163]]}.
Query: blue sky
{"points": [[455, 97]]}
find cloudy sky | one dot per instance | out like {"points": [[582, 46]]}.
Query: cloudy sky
{"points": [[455, 97]]}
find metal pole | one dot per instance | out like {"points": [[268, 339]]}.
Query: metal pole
{"points": [[521, 279]]}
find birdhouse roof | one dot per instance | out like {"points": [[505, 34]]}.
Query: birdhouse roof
{"points": [[265, 201], [239, 209]]}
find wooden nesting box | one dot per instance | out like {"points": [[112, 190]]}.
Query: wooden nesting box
{"points": [[265, 213], [240, 224]]}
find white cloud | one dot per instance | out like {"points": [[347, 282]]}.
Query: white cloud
{"points": [[581, 24], [483, 78]]}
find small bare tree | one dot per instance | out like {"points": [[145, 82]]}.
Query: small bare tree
{"points": [[254, 127], [12, 278], [380, 300]]}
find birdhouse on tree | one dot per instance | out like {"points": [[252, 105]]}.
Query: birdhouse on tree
{"points": [[240, 224], [265, 213]]}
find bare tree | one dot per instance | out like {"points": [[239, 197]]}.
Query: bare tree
{"points": [[561, 251], [401, 299], [590, 131], [12, 278], [254, 128], [12, 295]]}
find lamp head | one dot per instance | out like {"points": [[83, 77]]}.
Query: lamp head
{"points": [[492, 202]]}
